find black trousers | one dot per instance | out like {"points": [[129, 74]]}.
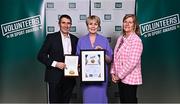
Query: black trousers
{"points": [[127, 93], [61, 92]]}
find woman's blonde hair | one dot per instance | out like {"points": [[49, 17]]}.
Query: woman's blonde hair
{"points": [[93, 17]]}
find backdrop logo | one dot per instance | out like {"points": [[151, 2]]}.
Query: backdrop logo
{"points": [[160, 25], [20, 27]]}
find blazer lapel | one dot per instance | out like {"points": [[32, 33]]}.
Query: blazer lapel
{"points": [[121, 46], [60, 42], [117, 45]]}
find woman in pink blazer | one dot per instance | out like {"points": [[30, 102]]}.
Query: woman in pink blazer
{"points": [[126, 66]]}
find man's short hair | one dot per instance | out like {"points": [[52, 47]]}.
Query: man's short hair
{"points": [[65, 16]]}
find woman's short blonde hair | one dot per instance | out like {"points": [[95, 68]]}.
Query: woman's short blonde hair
{"points": [[93, 17]]}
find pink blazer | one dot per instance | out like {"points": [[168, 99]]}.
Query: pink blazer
{"points": [[127, 60]]}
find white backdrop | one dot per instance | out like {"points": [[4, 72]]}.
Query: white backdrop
{"points": [[110, 12]]}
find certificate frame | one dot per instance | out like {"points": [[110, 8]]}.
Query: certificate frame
{"points": [[71, 69], [92, 66]]}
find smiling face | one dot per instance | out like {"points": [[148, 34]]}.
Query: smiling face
{"points": [[128, 25], [65, 25], [93, 23], [92, 26]]}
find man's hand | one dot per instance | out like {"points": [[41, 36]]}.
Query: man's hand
{"points": [[60, 65]]}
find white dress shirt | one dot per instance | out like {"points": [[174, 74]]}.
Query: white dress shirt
{"points": [[66, 42]]}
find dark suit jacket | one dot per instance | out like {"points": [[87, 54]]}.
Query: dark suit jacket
{"points": [[52, 50]]}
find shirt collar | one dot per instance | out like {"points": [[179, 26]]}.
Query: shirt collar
{"points": [[68, 36]]}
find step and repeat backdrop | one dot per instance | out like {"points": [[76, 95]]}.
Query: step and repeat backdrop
{"points": [[25, 24], [110, 12]]}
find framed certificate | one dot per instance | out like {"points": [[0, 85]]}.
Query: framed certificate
{"points": [[71, 66], [93, 66]]}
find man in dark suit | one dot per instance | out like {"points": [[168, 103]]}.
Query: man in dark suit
{"points": [[51, 54]]}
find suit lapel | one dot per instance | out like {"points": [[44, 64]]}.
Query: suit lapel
{"points": [[60, 42], [72, 44]]}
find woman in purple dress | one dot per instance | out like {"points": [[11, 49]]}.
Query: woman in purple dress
{"points": [[95, 92]]}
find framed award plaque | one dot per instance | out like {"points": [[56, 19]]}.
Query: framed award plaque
{"points": [[93, 66], [71, 66]]}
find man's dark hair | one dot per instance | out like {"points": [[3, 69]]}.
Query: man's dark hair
{"points": [[64, 16]]}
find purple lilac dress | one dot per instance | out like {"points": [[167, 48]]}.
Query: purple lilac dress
{"points": [[95, 93]]}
